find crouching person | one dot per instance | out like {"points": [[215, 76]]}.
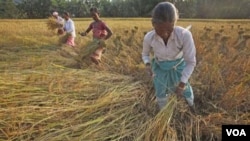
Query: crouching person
{"points": [[174, 55]]}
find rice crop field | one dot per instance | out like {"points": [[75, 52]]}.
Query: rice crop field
{"points": [[48, 92]]}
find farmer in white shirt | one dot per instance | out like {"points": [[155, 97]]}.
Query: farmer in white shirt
{"points": [[174, 55], [69, 28]]}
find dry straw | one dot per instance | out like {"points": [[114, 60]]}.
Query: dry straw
{"points": [[159, 127], [91, 47], [52, 24], [63, 106]]}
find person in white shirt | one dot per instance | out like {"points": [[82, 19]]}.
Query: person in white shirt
{"points": [[174, 55], [69, 28]]}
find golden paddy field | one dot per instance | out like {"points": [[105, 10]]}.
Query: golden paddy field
{"points": [[48, 94]]}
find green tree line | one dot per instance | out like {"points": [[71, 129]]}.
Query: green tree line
{"points": [[230, 9]]}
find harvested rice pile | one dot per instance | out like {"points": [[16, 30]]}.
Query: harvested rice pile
{"points": [[91, 47], [70, 105], [80, 105]]}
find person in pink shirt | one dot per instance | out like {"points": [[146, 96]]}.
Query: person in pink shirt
{"points": [[100, 32]]}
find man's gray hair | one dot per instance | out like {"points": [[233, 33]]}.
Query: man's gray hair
{"points": [[165, 12]]}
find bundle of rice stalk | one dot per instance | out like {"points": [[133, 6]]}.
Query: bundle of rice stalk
{"points": [[158, 128], [52, 24], [185, 123], [91, 47]]}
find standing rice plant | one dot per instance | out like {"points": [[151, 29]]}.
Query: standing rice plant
{"points": [[118, 44], [235, 97]]}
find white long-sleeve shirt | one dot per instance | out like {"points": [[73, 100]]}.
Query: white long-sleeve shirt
{"points": [[69, 27], [180, 44]]}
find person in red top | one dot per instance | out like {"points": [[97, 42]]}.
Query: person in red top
{"points": [[100, 32]]}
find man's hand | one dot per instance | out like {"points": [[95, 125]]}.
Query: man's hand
{"points": [[149, 70], [83, 33], [179, 91]]}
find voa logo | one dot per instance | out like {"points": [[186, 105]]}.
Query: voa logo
{"points": [[236, 132]]}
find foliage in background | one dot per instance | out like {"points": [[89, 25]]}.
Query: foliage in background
{"points": [[223, 9], [8, 9], [230, 9]]}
